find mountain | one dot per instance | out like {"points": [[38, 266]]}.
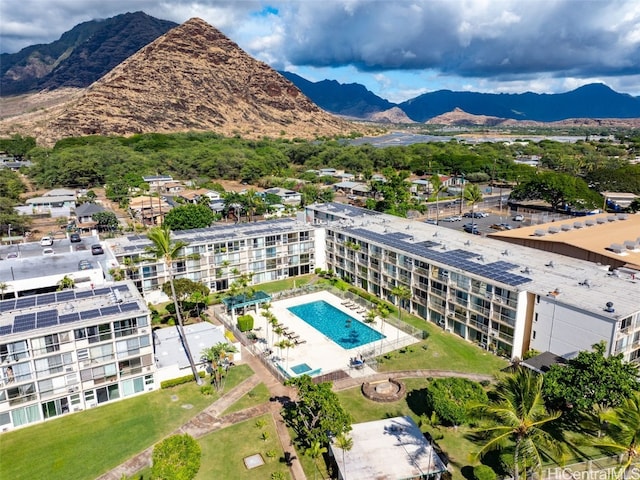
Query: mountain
{"points": [[347, 99], [81, 56], [192, 78], [589, 101]]}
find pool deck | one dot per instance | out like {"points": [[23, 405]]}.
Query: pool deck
{"points": [[319, 351]]}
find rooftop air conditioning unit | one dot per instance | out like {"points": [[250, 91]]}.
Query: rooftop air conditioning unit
{"points": [[609, 307], [566, 227], [539, 233], [577, 225]]}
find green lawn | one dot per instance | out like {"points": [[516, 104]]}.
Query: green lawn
{"points": [[223, 452], [86, 445], [442, 351], [260, 394], [286, 284]]}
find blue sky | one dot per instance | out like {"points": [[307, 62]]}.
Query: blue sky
{"points": [[398, 49]]}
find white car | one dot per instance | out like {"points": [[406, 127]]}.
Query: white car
{"points": [[518, 218], [46, 241], [48, 251]]}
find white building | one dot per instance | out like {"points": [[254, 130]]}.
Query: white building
{"points": [[506, 298], [71, 350]]}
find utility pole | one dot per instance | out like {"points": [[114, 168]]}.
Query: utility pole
{"points": [[461, 193]]}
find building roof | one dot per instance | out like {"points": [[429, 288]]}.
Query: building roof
{"points": [[346, 184], [604, 238], [485, 257], [60, 192], [88, 209], [169, 349], [543, 362], [389, 449], [51, 199]]}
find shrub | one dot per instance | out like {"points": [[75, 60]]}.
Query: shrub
{"points": [[177, 457], [206, 390], [449, 398], [180, 380], [483, 472], [245, 323]]}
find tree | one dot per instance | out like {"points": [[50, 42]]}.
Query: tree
{"points": [[344, 443], [218, 357], [186, 288], [402, 294], [164, 250], [66, 282], [315, 451], [559, 190], [590, 379], [472, 196], [252, 202], [107, 221], [286, 343], [438, 188], [517, 419], [189, 216], [450, 399], [233, 201], [622, 434], [317, 412], [176, 458]]}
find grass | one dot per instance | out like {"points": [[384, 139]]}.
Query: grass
{"points": [[260, 394], [223, 451], [87, 444], [286, 284]]}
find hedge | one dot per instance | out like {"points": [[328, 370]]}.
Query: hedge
{"points": [[180, 380], [245, 323]]}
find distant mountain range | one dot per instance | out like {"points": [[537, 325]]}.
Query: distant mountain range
{"points": [[92, 49]]}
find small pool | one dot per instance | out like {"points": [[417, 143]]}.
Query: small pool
{"points": [[300, 369], [332, 322]]}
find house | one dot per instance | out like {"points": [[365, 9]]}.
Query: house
{"points": [[343, 177], [345, 187], [172, 188], [392, 449], [288, 197], [327, 172], [157, 181], [84, 215], [58, 203], [194, 196], [149, 210]]}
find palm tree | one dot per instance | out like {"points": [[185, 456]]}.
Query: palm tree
{"points": [[215, 355], [252, 202], [315, 451], [517, 418], [233, 201], [622, 434], [401, 293], [473, 196], [286, 343], [167, 251], [66, 282], [438, 188], [3, 288], [344, 443]]}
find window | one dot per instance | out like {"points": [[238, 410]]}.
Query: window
{"points": [[124, 328], [46, 344], [53, 364], [126, 348], [99, 333], [102, 353], [13, 351], [26, 415]]}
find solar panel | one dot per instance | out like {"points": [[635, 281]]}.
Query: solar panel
{"points": [[5, 330], [102, 291], [65, 295], [46, 314], [84, 294], [26, 302], [46, 299], [87, 314], [110, 310], [7, 305], [47, 322], [69, 317], [23, 323], [128, 307]]}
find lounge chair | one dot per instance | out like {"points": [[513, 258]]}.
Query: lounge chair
{"points": [[362, 310], [298, 341]]}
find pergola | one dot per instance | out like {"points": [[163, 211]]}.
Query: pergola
{"points": [[243, 300]]}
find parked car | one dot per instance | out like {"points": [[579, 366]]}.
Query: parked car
{"points": [[46, 241], [75, 238], [454, 218], [431, 221], [471, 228], [518, 218], [81, 247], [48, 251], [13, 255], [501, 226], [96, 249], [84, 265]]}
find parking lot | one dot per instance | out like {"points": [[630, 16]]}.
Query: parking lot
{"points": [[484, 224], [35, 249]]}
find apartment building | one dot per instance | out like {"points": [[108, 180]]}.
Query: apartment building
{"points": [[216, 256], [70, 350], [506, 298]]}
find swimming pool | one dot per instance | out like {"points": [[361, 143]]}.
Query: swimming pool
{"points": [[332, 322]]}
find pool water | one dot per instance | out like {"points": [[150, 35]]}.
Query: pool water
{"points": [[332, 322], [300, 369]]}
